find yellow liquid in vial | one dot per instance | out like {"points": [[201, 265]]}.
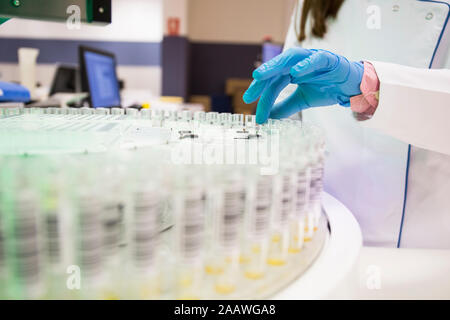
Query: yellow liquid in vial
{"points": [[276, 262], [213, 270], [256, 249], [244, 259], [185, 281], [253, 275], [278, 249], [224, 288], [294, 250], [276, 238]]}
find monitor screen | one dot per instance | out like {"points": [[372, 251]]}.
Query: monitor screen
{"points": [[65, 80], [102, 80]]}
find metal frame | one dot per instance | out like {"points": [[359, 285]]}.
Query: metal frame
{"points": [[92, 11]]}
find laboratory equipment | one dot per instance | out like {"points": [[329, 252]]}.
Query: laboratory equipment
{"points": [[93, 11], [99, 77], [27, 67], [66, 80], [13, 92], [156, 205]]}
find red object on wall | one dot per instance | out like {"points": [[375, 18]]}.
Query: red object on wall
{"points": [[173, 26]]}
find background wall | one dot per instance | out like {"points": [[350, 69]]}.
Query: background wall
{"points": [[179, 9], [238, 21], [226, 38], [223, 40], [134, 35]]}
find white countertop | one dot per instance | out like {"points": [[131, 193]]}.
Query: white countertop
{"points": [[346, 270], [384, 273]]}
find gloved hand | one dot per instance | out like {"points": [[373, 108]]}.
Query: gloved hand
{"points": [[323, 79]]}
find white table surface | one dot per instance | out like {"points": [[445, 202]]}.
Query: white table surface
{"points": [[345, 270], [384, 273]]}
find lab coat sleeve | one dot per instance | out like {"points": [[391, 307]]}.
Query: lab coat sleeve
{"points": [[414, 106]]}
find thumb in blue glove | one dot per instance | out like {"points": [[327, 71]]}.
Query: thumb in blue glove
{"points": [[323, 79]]}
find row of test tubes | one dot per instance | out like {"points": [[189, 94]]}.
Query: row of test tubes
{"points": [[91, 226]]}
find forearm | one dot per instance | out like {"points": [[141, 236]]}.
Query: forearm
{"points": [[413, 106]]}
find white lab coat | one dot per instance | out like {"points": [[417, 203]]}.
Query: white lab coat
{"points": [[392, 171]]}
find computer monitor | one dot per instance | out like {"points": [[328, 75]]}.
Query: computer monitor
{"points": [[99, 77], [66, 80]]}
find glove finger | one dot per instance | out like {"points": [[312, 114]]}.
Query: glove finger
{"points": [[289, 106], [281, 64], [269, 96], [255, 89], [318, 62]]}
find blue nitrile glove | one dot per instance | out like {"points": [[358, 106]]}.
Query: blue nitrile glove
{"points": [[323, 79]]}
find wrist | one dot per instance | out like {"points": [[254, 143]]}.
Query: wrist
{"points": [[367, 102]]}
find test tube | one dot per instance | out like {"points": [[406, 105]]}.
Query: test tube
{"points": [[145, 221], [132, 113], [281, 212], [199, 116], [113, 210], [25, 111], [63, 110], [10, 112], [189, 210], [250, 121], [28, 253], [301, 201], [274, 123], [186, 116], [74, 111], [212, 117], [87, 111], [117, 111], [2, 251], [37, 111], [224, 258], [24, 254], [317, 173], [89, 236], [225, 119], [51, 110], [146, 114], [55, 218], [101, 111], [185, 122], [3, 270], [255, 246], [238, 120], [170, 115], [171, 119], [157, 118]]}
